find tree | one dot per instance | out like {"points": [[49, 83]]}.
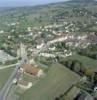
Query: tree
{"points": [[77, 67], [69, 64], [90, 73]]}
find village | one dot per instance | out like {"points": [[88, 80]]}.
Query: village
{"points": [[30, 72], [49, 52]]}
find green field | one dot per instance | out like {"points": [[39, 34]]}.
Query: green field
{"points": [[4, 75], [58, 80]]}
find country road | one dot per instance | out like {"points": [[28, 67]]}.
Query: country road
{"points": [[7, 86], [6, 89], [8, 66]]}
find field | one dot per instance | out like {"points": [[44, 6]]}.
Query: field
{"points": [[4, 75], [53, 85]]}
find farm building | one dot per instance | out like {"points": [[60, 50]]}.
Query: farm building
{"points": [[24, 84], [28, 68]]}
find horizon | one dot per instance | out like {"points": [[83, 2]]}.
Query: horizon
{"points": [[21, 3]]}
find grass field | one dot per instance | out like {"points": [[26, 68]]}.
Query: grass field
{"points": [[58, 80], [4, 75]]}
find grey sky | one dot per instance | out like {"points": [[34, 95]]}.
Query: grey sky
{"points": [[6, 3]]}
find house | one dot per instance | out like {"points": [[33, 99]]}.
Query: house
{"points": [[47, 55], [28, 68], [92, 37], [29, 29], [1, 31], [18, 77], [40, 46], [24, 84]]}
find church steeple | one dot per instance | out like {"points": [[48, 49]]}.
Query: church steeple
{"points": [[22, 53]]}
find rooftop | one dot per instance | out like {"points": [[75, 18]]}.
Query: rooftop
{"points": [[22, 82], [28, 68]]}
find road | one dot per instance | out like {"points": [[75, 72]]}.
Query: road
{"points": [[5, 90], [8, 66]]}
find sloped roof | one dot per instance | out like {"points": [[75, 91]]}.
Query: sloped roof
{"points": [[28, 68]]}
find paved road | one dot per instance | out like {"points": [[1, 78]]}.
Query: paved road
{"points": [[5, 90], [8, 66]]}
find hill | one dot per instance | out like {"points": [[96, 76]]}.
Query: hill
{"points": [[82, 1]]}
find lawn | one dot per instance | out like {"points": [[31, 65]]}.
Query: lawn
{"points": [[4, 75], [58, 80]]}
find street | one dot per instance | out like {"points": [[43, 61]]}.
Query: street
{"points": [[5, 90]]}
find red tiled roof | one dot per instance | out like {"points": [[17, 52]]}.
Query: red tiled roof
{"points": [[30, 69]]}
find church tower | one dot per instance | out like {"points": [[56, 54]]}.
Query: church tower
{"points": [[22, 53]]}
